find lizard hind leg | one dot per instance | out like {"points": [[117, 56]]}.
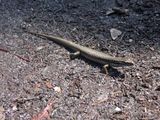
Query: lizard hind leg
{"points": [[105, 68], [74, 55]]}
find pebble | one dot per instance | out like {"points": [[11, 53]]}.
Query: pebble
{"points": [[151, 48], [138, 75], [45, 70], [39, 48], [115, 33], [130, 40], [14, 108], [57, 89], [117, 110]]}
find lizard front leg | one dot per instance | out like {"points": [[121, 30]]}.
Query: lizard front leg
{"points": [[74, 55]]}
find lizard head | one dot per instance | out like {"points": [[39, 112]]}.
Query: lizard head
{"points": [[122, 62], [128, 62]]}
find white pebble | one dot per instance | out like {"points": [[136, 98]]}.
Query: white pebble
{"points": [[115, 33], [39, 48], [117, 109], [57, 89], [130, 40], [14, 108]]}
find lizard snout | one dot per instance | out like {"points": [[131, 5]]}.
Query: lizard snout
{"points": [[129, 62]]}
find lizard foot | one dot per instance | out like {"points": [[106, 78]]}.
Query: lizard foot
{"points": [[105, 68], [74, 55]]}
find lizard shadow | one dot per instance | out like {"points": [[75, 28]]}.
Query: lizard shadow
{"points": [[113, 72]]}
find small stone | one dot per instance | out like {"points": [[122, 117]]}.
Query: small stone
{"points": [[130, 40], [142, 42], [14, 108], [138, 75], [47, 71], [154, 57], [15, 36], [57, 89], [151, 48], [115, 33], [74, 29], [39, 48], [118, 110]]}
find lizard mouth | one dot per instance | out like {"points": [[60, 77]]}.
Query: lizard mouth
{"points": [[129, 62]]}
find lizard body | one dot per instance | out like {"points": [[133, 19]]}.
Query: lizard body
{"points": [[91, 54]]}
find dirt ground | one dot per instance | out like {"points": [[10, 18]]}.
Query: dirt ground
{"points": [[36, 71]]}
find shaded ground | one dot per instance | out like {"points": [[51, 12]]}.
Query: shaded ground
{"points": [[86, 93]]}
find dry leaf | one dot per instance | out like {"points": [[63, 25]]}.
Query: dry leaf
{"points": [[45, 113], [48, 84]]}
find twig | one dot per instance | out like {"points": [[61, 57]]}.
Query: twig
{"points": [[20, 57], [3, 50]]}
